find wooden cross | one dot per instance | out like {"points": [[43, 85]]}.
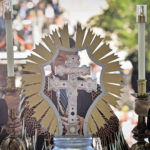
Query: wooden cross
{"points": [[72, 69]]}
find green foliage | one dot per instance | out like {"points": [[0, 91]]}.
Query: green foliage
{"points": [[120, 18]]}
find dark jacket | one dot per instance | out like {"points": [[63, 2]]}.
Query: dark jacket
{"points": [[3, 112], [3, 118]]}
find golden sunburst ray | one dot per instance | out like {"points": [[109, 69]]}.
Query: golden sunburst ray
{"points": [[88, 129], [112, 67], [43, 52], [33, 100], [102, 51], [36, 59], [53, 126], [108, 59], [45, 121], [79, 36], [111, 88], [56, 38], [50, 44], [111, 80], [104, 108], [88, 38], [40, 109], [95, 114], [31, 79], [97, 40], [65, 36], [31, 89], [32, 67], [92, 125], [111, 99], [104, 55]]}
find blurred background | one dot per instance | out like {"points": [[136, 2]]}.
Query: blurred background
{"points": [[112, 19]]}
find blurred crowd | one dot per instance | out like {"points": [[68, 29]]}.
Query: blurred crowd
{"points": [[32, 19]]}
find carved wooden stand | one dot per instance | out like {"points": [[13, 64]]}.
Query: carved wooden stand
{"points": [[141, 125], [12, 141]]}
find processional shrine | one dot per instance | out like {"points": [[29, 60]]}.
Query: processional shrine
{"points": [[99, 115], [72, 84]]}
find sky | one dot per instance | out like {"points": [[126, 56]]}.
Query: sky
{"points": [[82, 10]]}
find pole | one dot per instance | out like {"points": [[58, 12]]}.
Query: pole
{"points": [[141, 125]]}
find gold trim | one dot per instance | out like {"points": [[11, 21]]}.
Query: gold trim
{"points": [[142, 87], [141, 19], [84, 38]]}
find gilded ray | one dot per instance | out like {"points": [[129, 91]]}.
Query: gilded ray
{"points": [[97, 40], [28, 94], [112, 102], [40, 109], [113, 78], [114, 66], [57, 129], [34, 103], [56, 38], [53, 126], [92, 124], [115, 89], [27, 83], [79, 36], [29, 76], [65, 36], [48, 118], [104, 108], [108, 59], [88, 38], [111, 99], [36, 59], [31, 79], [34, 100], [32, 67], [33, 82], [101, 52], [48, 41], [35, 88], [88, 129], [98, 118], [43, 52]]}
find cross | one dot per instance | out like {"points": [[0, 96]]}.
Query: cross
{"points": [[72, 69]]}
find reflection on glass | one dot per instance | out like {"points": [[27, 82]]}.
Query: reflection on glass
{"points": [[74, 82]]}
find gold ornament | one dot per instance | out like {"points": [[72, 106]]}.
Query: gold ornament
{"points": [[47, 51], [12, 143]]}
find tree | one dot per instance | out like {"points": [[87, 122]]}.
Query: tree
{"points": [[120, 18]]}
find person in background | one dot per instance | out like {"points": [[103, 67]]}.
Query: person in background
{"points": [[2, 31], [3, 118], [142, 108], [49, 13]]}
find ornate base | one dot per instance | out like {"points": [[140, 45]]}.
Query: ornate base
{"points": [[141, 146], [10, 86], [72, 143], [12, 143]]}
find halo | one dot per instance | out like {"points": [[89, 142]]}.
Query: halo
{"points": [[99, 52]]}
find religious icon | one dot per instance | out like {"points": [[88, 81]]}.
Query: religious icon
{"points": [[57, 71], [68, 90]]}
